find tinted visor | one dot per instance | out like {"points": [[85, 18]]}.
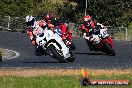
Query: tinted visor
{"points": [[87, 23]]}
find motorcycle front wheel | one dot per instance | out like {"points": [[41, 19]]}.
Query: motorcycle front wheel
{"points": [[57, 54], [109, 50]]}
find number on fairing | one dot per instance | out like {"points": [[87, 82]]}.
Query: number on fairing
{"points": [[42, 41], [58, 31], [105, 32]]}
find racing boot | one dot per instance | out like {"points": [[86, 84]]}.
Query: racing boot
{"points": [[69, 44]]}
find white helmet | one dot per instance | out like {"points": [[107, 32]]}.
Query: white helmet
{"points": [[30, 20]]}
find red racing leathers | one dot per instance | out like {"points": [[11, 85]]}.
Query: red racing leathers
{"points": [[32, 32], [87, 27], [66, 34]]}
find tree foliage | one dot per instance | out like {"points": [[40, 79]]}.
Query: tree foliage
{"points": [[108, 12]]}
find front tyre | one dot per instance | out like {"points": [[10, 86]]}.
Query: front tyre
{"points": [[57, 54]]}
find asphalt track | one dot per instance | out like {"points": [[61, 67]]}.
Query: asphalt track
{"points": [[84, 58]]}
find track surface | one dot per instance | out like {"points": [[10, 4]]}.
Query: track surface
{"points": [[84, 58]]}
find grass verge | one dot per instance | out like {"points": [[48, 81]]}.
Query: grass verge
{"points": [[61, 79], [57, 81]]}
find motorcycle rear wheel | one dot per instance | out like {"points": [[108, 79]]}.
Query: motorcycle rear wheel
{"points": [[109, 50]]}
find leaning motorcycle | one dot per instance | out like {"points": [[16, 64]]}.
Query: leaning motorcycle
{"points": [[101, 42], [52, 43]]}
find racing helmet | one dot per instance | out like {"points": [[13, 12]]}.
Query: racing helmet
{"points": [[87, 18], [48, 17], [30, 20]]}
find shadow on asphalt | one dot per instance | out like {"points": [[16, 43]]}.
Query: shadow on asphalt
{"points": [[92, 53], [41, 62]]}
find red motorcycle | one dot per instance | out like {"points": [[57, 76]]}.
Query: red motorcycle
{"points": [[101, 42]]}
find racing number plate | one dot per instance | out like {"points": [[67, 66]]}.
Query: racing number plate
{"points": [[42, 42]]}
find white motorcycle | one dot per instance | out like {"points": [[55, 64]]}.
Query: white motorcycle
{"points": [[52, 43], [101, 42]]}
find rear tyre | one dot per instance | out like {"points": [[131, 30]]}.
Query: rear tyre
{"points": [[57, 54], [109, 50]]}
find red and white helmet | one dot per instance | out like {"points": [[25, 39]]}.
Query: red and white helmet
{"points": [[87, 18], [48, 17]]}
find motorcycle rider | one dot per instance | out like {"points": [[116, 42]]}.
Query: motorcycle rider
{"points": [[33, 30], [67, 36], [66, 33], [56, 23], [88, 28], [48, 19]]}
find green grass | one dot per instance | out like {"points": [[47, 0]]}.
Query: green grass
{"points": [[130, 32], [57, 81], [39, 82]]}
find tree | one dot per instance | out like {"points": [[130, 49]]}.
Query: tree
{"points": [[109, 12]]}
